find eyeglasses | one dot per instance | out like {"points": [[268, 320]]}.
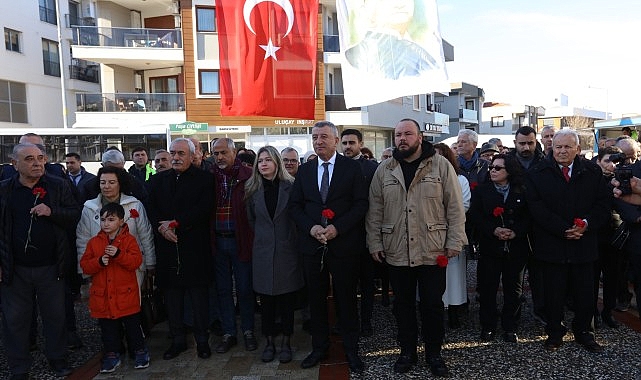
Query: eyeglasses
{"points": [[496, 167]]}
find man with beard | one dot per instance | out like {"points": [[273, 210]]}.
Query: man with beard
{"points": [[526, 150], [416, 194]]}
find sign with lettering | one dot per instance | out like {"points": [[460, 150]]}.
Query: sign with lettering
{"points": [[188, 128]]}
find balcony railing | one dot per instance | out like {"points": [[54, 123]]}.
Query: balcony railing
{"points": [[467, 114], [336, 102], [79, 21], [126, 37], [331, 44], [130, 102], [87, 73]]}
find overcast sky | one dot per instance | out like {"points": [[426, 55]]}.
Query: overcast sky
{"points": [[529, 52]]}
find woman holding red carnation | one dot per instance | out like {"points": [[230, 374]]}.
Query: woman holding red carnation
{"points": [[276, 263], [499, 212]]}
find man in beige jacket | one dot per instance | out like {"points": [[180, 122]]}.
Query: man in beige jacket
{"points": [[415, 221]]}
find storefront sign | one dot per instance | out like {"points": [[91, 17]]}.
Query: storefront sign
{"points": [[188, 128]]}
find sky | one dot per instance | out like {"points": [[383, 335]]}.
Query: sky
{"points": [[529, 52]]}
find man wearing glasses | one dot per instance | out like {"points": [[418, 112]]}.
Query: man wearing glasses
{"points": [[291, 160]]}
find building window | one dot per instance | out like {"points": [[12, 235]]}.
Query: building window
{"points": [[497, 121], [469, 104], [205, 19], [416, 102], [429, 107], [12, 40], [48, 11], [209, 82], [50, 58], [13, 102]]}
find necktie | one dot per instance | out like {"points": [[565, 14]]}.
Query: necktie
{"points": [[324, 188], [75, 179], [566, 173]]}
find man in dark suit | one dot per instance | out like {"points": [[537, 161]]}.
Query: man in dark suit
{"points": [[180, 206], [77, 174], [569, 203], [330, 245]]}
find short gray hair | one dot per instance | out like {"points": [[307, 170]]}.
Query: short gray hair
{"points": [[113, 156], [470, 134], [548, 127], [192, 147], [325, 123], [289, 149], [21, 146], [230, 143], [566, 132]]}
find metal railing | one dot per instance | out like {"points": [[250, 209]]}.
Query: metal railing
{"points": [[130, 102], [126, 37], [79, 21], [87, 73]]}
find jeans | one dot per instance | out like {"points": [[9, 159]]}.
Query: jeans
{"points": [[229, 271]]}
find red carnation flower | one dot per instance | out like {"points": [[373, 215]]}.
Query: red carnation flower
{"points": [[579, 222], [39, 192], [441, 261], [473, 185], [328, 214], [173, 225], [498, 211], [133, 213]]}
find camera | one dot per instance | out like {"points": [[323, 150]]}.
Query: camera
{"points": [[622, 173]]}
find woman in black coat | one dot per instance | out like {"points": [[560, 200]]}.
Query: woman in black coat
{"points": [[499, 213]]}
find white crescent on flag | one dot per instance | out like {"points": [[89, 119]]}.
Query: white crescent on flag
{"points": [[285, 4]]}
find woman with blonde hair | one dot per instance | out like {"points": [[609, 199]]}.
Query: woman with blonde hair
{"points": [[276, 265]]}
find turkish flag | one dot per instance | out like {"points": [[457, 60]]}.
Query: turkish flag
{"points": [[267, 51]]}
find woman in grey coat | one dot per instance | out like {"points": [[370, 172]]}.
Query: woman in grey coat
{"points": [[276, 265]]}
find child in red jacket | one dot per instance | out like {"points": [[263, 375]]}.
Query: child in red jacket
{"points": [[111, 259]]}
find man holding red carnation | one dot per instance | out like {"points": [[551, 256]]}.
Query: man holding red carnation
{"points": [[569, 203], [416, 221]]}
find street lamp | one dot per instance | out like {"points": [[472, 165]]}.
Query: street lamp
{"points": [[607, 100]]}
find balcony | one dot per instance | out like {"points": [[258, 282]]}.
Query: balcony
{"points": [[84, 72], [468, 116], [336, 102], [331, 44], [79, 21], [130, 102]]}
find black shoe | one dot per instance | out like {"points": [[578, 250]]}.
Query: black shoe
{"points": [[609, 321], [251, 344], [60, 367], [592, 346], [285, 355], [227, 343], [269, 352], [217, 328], [204, 351], [367, 331], [487, 335], [20, 376], [510, 336], [173, 351], [405, 362], [437, 366], [313, 359], [354, 362], [622, 306], [553, 344]]}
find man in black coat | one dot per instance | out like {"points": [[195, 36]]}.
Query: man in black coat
{"points": [[180, 205], [332, 183], [569, 202]]}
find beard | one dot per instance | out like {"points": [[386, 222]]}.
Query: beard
{"points": [[403, 154]]}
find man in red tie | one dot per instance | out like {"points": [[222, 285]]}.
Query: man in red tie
{"points": [[569, 202]]}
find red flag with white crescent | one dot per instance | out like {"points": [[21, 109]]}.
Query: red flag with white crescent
{"points": [[267, 51]]}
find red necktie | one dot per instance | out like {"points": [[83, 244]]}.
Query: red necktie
{"points": [[566, 173]]}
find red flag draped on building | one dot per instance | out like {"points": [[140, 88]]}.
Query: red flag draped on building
{"points": [[267, 52]]}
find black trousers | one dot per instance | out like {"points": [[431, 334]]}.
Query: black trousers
{"points": [[431, 286], [509, 270], [366, 280], [281, 305], [343, 270], [112, 333], [607, 264], [175, 304], [576, 281]]}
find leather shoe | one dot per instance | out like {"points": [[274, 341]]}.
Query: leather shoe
{"points": [[354, 362], [609, 321], [510, 336], [60, 367], [592, 346], [251, 344], [553, 344], [437, 366], [313, 359], [204, 352], [226, 344], [173, 351], [405, 362], [487, 335]]}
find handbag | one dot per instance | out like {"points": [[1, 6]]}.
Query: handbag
{"points": [[620, 236], [152, 304]]}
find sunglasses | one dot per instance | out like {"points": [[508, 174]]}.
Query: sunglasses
{"points": [[496, 167]]}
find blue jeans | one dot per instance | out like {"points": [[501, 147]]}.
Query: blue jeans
{"points": [[228, 264]]}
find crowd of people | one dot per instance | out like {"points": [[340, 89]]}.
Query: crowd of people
{"points": [[238, 229]]}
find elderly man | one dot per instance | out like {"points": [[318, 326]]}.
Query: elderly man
{"points": [[162, 160], [398, 215], [36, 208], [199, 162], [180, 205], [328, 203], [569, 203], [141, 169], [474, 169], [55, 169], [291, 160], [547, 133], [232, 246], [387, 153]]}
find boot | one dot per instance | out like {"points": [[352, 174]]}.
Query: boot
{"points": [[270, 351], [285, 350]]}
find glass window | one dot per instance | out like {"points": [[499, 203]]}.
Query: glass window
{"points": [[50, 58], [416, 102], [205, 19], [497, 121], [209, 82], [13, 102], [12, 40], [48, 11]]}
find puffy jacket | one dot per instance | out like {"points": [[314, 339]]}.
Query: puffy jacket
{"points": [[139, 227], [114, 288], [415, 225]]}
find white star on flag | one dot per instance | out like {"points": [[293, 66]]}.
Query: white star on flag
{"points": [[270, 50]]}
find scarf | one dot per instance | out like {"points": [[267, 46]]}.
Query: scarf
{"points": [[504, 190], [467, 165]]}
